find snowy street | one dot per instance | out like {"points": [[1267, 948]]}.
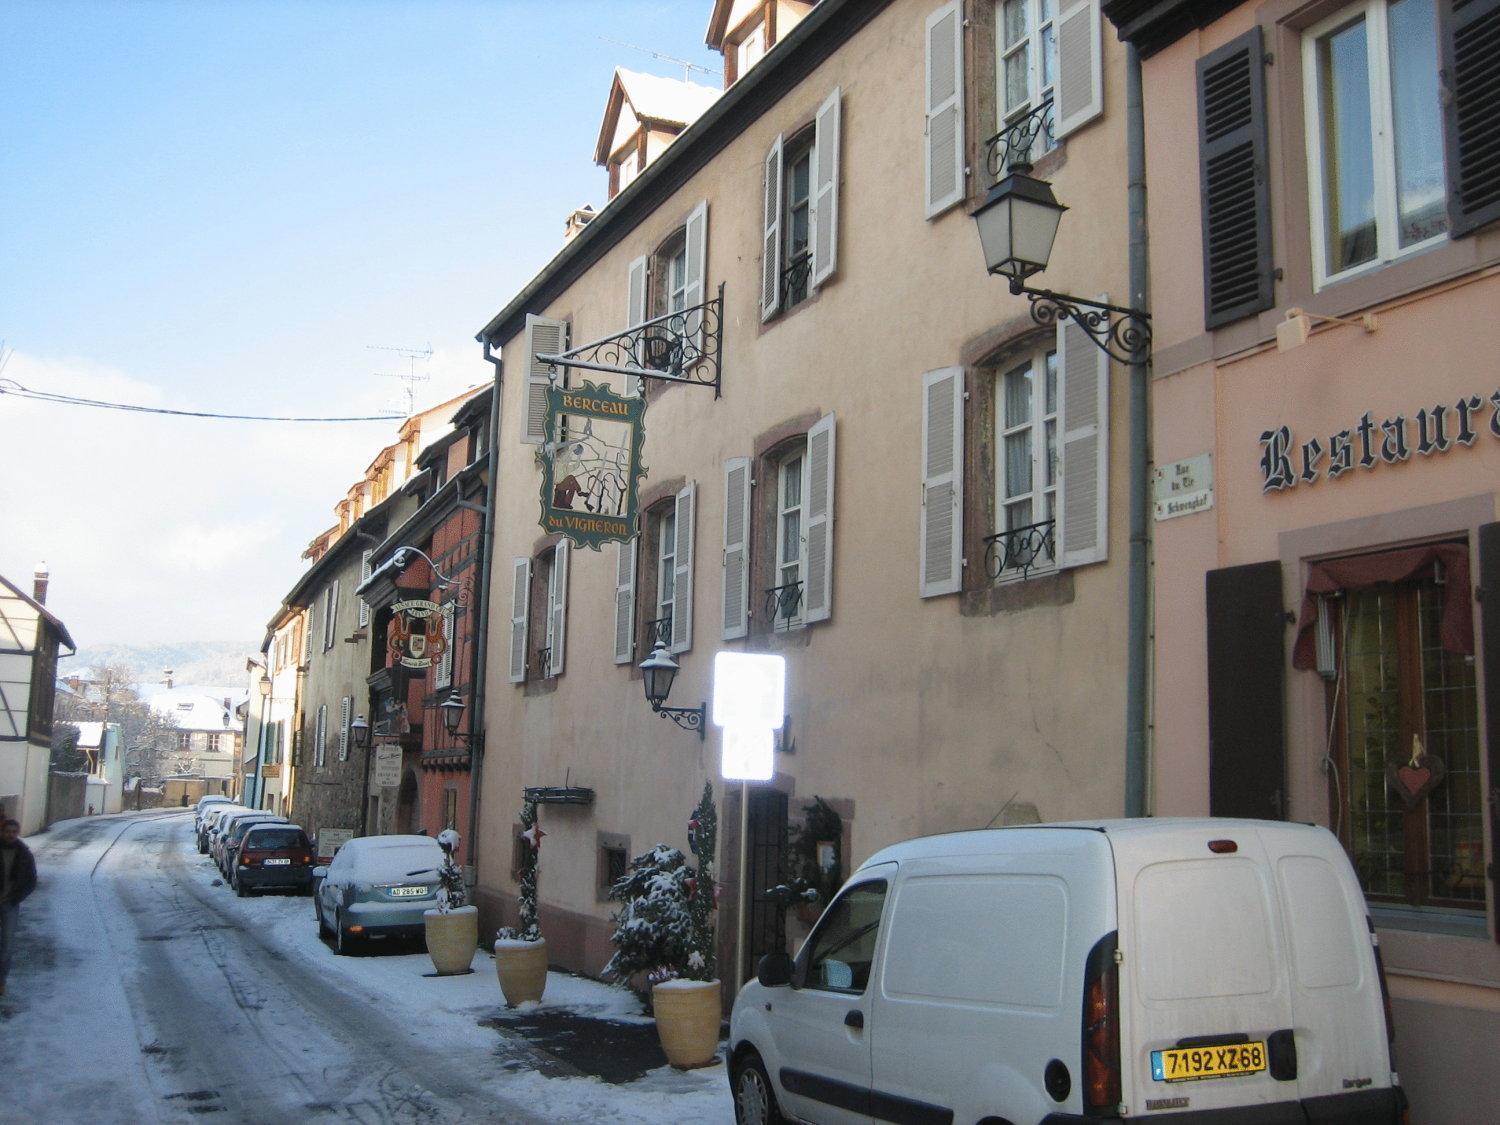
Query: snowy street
{"points": [[142, 991]]}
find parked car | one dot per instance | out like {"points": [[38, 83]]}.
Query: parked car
{"points": [[229, 842], [272, 855], [210, 821], [1218, 970], [206, 802], [377, 887], [225, 826]]}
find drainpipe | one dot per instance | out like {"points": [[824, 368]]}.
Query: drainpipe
{"points": [[1138, 643], [481, 650]]}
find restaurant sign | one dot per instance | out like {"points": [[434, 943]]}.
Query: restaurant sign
{"points": [[1286, 462], [591, 464], [417, 636]]}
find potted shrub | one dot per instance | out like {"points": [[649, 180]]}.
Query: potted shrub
{"points": [[453, 928], [521, 951], [664, 931]]}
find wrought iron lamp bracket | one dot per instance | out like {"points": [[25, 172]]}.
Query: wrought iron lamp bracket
{"points": [[688, 718], [1124, 336], [679, 347]]}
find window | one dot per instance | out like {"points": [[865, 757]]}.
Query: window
{"points": [[659, 626], [630, 168], [450, 807], [185, 741], [212, 741], [1026, 73], [666, 282], [797, 251], [549, 572], [663, 584], [800, 244], [1026, 438], [785, 561], [612, 862], [842, 948], [785, 599], [672, 261], [1375, 148], [750, 49], [556, 571]]}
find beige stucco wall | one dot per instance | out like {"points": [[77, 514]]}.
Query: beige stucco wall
{"points": [[926, 719]]}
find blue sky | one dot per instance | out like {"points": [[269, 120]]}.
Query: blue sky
{"points": [[213, 205]]}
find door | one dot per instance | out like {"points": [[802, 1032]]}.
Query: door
{"points": [[766, 919], [821, 1033], [406, 804]]}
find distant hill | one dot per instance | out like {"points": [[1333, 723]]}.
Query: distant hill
{"points": [[192, 662]]}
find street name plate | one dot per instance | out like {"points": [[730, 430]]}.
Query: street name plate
{"points": [[388, 764], [1183, 487]]}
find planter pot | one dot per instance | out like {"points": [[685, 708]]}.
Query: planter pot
{"points": [[522, 969], [687, 1020], [452, 939]]}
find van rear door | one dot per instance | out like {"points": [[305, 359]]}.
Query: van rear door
{"points": [[1207, 1009]]}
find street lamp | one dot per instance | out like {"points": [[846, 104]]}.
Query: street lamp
{"points": [[265, 686], [452, 710], [360, 729], [657, 673]]}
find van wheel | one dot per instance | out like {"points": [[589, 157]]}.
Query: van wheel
{"points": [[754, 1101]]}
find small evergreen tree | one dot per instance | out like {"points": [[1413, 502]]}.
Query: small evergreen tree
{"points": [[653, 928], [703, 839], [529, 929]]}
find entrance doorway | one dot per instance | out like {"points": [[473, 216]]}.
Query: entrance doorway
{"points": [[766, 921], [406, 804]]}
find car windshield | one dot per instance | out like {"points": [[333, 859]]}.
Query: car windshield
{"points": [[275, 838]]}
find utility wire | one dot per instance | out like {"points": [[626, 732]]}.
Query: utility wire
{"points": [[11, 387]]}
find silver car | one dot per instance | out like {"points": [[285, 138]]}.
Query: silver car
{"points": [[377, 887]]}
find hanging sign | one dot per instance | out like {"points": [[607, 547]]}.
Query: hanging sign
{"points": [[418, 638], [388, 764], [591, 464]]}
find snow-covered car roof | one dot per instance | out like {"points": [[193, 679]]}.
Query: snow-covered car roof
{"points": [[387, 859]]}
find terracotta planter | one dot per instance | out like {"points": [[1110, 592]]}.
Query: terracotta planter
{"points": [[522, 969], [452, 939], [687, 1021]]}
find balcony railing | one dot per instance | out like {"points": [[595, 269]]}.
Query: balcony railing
{"points": [[1025, 549], [784, 604], [1021, 142], [544, 662], [657, 632]]}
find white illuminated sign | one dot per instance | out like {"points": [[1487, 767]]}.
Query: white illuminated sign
{"points": [[749, 754], [749, 690]]}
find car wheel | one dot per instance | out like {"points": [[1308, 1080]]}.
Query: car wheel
{"points": [[754, 1101], [318, 914], [343, 940], [239, 886]]}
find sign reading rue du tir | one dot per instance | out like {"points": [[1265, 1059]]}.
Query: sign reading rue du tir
{"points": [[1285, 462], [1183, 487]]}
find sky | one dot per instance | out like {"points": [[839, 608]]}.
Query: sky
{"points": [[235, 207]]}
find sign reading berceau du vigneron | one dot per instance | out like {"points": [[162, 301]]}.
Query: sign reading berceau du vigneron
{"points": [[591, 464], [1286, 462], [418, 636]]}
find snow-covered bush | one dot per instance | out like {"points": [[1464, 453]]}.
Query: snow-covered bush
{"points": [[531, 832], [451, 890]]}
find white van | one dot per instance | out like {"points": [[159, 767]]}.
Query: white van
{"points": [[1214, 971]]}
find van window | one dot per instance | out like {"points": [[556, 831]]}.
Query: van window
{"points": [[1203, 930], [1324, 950], [996, 939], [843, 946]]}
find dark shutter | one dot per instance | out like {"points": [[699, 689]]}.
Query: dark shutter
{"points": [[1246, 669], [1489, 648], [1471, 111], [1232, 180]]}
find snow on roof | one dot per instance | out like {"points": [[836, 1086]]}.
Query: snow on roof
{"points": [[651, 98], [89, 734], [195, 708]]}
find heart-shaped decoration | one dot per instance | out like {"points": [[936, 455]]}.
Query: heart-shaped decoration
{"points": [[1413, 780]]}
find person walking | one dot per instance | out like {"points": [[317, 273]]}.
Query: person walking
{"points": [[17, 880]]}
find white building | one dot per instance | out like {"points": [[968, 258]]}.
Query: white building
{"points": [[29, 640]]}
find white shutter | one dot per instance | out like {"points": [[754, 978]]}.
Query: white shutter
{"points": [[444, 677], [637, 291], [307, 632], [1083, 422], [736, 544], [942, 481], [696, 237], [945, 108], [1080, 71], [364, 576], [346, 710], [770, 261], [625, 601], [520, 601], [817, 591], [825, 190], [548, 337], [558, 608], [320, 736], [331, 617], [682, 589]]}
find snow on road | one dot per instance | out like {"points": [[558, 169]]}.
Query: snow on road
{"points": [[143, 992]]}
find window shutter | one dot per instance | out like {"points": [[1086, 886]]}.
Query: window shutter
{"points": [[331, 619], [1246, 658], [817, 592], [364, 576], [696, 237], [1082, 534], [637, 290], [1233, 181], [736, 544], [444, 676], [825, 190], [625, 601], [1470, 38], [520, 600], [682, 589], [548, 337], [770, 261], [320, 736], [346, 710], [945, 109], [942, 481], [1488, 536], [1080, 71], [307, 633], [558, 608]]}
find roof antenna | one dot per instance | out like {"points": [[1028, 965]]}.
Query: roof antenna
{"points": [[687, 67], [410, 377]]}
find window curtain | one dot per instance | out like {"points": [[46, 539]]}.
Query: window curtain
{"points": [[1364, 571]]}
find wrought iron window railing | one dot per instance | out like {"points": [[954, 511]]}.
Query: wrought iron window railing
{"points": [[544, 662], [796, 277], [784, 604], [1023, 549], [657, 632], [1021, 142]]}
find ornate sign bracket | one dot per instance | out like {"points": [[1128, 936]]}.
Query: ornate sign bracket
{"points": [[680, 347]]}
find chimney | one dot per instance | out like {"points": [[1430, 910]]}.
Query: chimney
{"points": [[576, 221], [167, 678], [39, 581]]}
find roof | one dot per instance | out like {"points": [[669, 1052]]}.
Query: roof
{"points": [[195, 708], [89, 734], [1153, 24], [654, 100], [46, 614]]}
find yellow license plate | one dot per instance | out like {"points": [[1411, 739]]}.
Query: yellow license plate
{"points": [[1188, 1064]]}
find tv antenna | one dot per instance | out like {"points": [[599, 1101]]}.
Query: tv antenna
{"points": [[687, 66], [411, 376]]}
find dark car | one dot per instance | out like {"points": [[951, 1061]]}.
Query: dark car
{"points": [[272, 855], [229, 840]]}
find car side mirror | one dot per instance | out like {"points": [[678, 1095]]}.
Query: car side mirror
{"points": [[320, 872], [774, 970]]}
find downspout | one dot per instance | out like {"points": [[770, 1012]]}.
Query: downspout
{"points": [[481, 650], [369, 749], [1138, 643]]}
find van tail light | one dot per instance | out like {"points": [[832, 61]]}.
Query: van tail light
{"points": [[1101, 1029], [1385, 994]]}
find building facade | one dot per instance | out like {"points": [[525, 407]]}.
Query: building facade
{"points": [[30, 637]]}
